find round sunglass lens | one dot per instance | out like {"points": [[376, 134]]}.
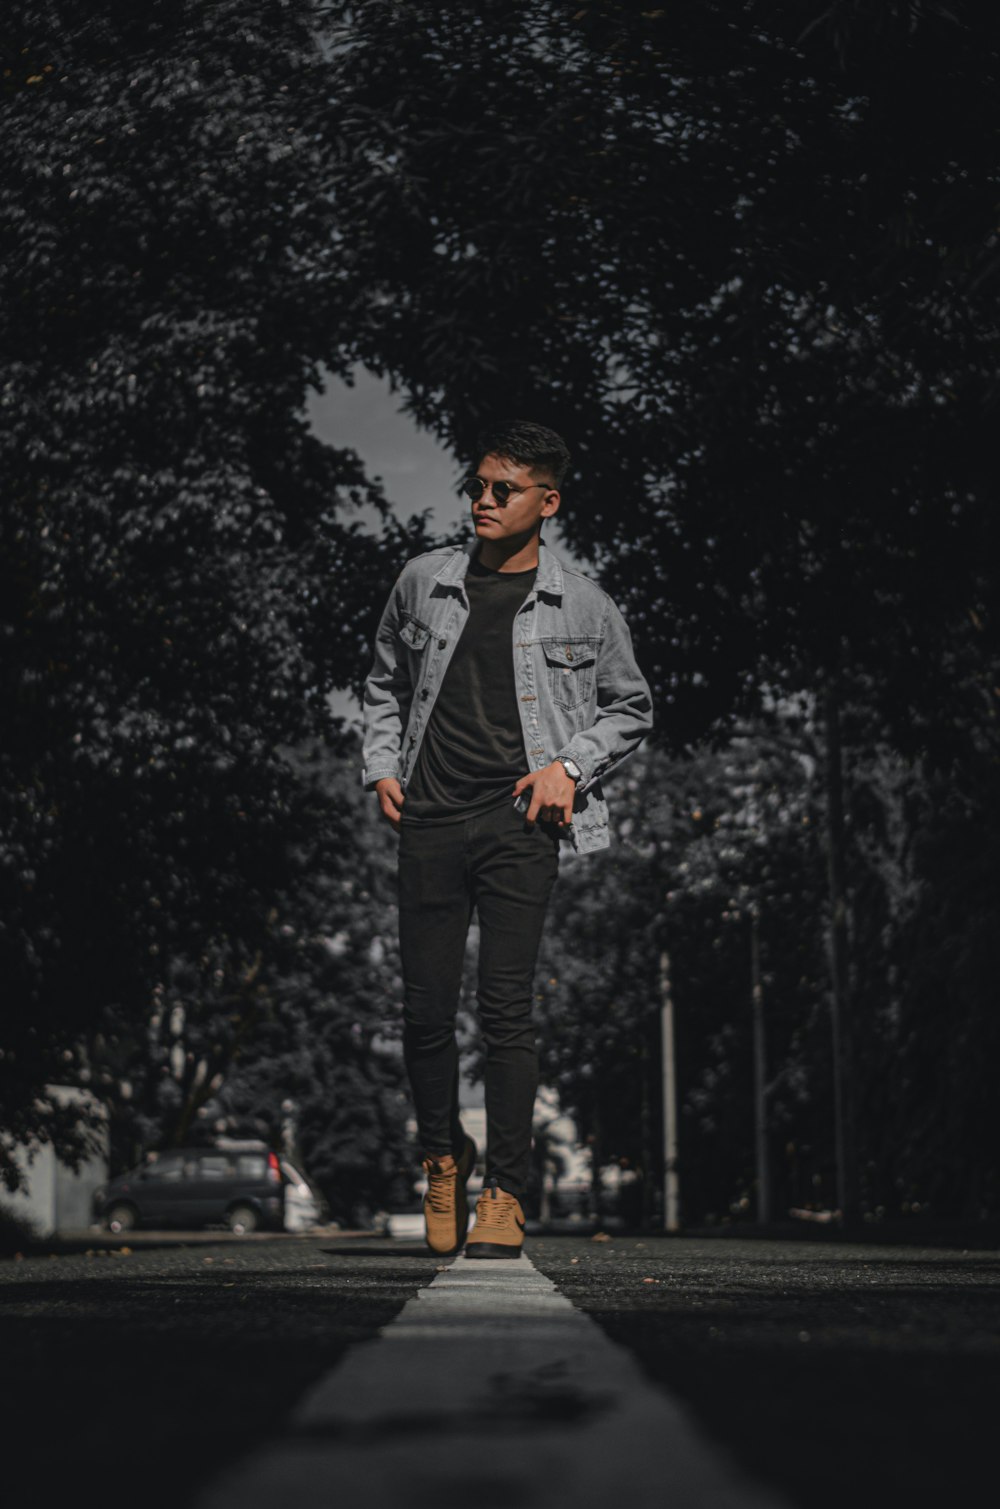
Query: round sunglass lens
{"points": [[501, 491], [473, 488]]}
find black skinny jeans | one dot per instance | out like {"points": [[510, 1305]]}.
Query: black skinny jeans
{"points": [[504, 869]]}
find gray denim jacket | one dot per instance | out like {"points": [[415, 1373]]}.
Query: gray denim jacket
{"points": [[580, 692]]}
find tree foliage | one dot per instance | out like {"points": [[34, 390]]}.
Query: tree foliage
{"points": [[711, 840], [302, 1048], [181, 581], [748, 264], [704, 845]]}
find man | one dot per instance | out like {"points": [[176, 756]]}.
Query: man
{"points": [[503, 687]]}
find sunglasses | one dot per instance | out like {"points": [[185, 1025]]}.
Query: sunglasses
{"points": [[475, 487]]}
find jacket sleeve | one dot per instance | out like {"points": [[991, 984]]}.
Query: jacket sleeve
{"points": [[624, 706], [386, 699]]}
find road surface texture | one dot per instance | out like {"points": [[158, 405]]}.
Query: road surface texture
{"points": [[715, 1372]]}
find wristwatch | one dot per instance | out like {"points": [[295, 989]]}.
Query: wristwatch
{"points": [[571, 768]]}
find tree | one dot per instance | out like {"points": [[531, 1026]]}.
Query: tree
{"points": [[181, 581], [746, 270], [303, 1048], [749, 268], [332, 1064], [709, 849]]}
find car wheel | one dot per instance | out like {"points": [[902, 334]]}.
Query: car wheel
{"points": [[241, 1219], [120, 1218]]}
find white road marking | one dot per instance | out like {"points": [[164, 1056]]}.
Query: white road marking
{"points": [[489, 1385]]}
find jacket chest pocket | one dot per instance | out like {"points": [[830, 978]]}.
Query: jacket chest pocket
{"points": [[413, 637], [570, 667]]}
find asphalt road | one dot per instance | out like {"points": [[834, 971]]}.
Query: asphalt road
{"points": [[839, 1373], [843, 1374]]}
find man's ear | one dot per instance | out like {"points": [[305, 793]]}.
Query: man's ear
{"points": [[550, 503]]}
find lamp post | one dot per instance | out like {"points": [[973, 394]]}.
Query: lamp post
{"points": [[671, 1180]]}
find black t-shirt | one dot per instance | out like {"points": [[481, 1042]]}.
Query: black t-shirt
{"points": [[473, 747]]}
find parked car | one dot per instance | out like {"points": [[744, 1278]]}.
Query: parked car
{"points": [[245, 1188]]}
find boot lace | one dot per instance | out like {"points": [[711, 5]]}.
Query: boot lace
{"points": [[495, 1207], [441, 1187]]}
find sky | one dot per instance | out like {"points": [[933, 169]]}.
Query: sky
{"points": [[417, 473]]}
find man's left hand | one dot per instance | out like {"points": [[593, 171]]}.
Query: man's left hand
{"points": [[552, 793]]}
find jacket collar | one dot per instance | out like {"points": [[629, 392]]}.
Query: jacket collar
{"points": [[549, 578]]}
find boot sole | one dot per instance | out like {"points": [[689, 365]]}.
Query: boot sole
{"points": [[492, 1249]]}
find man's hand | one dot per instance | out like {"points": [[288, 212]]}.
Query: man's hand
{"points": [[552, 793], [390, 799]]}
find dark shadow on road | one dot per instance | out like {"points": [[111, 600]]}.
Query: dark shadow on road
{"points": [[154, 1371], [850, 1425], [841, 1376]]}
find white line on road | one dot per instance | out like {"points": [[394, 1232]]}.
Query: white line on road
{"points": [[489, 1386]]}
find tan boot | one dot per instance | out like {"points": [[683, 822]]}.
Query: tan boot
{"points": [[499, 1228], [446, 1204]]}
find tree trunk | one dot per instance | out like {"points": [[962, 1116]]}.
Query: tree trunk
{"points": [[545, 1174], [596, 1164], [843, 1065], [206, 1083], [763, 1168], [646, 1132], [671, 1189]]}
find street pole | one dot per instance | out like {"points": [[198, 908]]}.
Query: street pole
{"points": [[759, 1074], [671, 1185], [843, 1050]]}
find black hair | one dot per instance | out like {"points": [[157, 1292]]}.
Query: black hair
{"points": [[528, 445]]}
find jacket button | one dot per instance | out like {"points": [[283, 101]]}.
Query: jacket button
{"points": [[442, 644], [424, 694]]}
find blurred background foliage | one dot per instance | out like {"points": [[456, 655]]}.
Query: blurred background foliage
{"points": [[746, 260]]}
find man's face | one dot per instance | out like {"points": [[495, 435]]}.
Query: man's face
{"points": [[530, 500]]}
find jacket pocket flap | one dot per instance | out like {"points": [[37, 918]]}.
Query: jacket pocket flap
{"points": [[570, 653], [414, 634]]}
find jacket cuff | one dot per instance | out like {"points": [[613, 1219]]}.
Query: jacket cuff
{"points": [[586, 766], [378, 773]]}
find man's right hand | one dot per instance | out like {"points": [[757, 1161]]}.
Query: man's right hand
{"points": [[390, 799]]}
